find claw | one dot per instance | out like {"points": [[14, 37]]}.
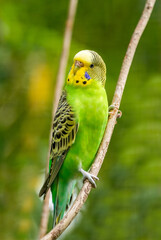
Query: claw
{"points": [[119, 114], [89, 176], [111, 107]]}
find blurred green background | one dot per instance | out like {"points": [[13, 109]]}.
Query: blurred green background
{"points": [[127, 202]]}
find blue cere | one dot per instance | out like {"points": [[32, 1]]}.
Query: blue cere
{"points": [[87, 76]]}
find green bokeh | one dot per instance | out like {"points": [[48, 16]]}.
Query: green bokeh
{"points": [[127, 202]]}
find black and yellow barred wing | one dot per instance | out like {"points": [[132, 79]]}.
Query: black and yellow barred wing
{"points": [[65, 128]]}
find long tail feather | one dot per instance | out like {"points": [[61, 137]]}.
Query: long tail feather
{"points": [[61, 196]]}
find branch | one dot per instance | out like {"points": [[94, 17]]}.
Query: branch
{"points": [[58, 89], [81, 198]]}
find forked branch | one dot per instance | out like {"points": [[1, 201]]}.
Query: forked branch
{"points": [[81, 198]]}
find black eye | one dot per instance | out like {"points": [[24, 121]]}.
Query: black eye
{"points": [[92, 66]]}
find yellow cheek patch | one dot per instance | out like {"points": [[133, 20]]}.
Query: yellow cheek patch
{"points": [[80, 78]]}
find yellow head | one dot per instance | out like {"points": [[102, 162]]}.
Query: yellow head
{"points": [[88, 66]]}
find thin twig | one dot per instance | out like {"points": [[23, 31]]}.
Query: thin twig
{"points": [[58, 89], [65, 51], [81, 198]]}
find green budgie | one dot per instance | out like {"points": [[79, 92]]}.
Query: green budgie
{"points": [[78, 128]]}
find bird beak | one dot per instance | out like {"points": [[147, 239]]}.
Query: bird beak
{"points": [[77, 65]]}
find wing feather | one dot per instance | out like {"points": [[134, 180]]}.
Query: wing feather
{"points": [[65, 128]]}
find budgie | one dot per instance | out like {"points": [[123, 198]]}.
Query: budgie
{"points": [[78, 129]]}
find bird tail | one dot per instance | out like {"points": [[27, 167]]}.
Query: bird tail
{"points": [[62, 194]]}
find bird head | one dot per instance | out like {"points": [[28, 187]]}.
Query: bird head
{"points": [[88, 66]]}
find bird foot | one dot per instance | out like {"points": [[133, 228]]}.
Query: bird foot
{"points": [[112, 107], [91, 178]]}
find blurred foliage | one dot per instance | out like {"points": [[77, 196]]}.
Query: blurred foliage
{"points": [[127, 202]]}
